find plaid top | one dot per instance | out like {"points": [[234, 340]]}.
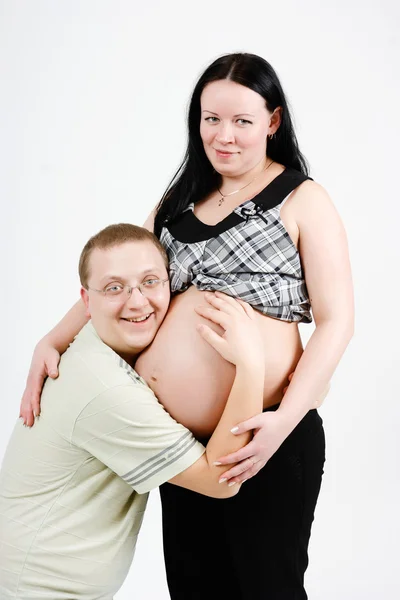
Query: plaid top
{"points": [[248, 255]]}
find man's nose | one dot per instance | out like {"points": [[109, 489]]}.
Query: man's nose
{"points": [[136, 298]]}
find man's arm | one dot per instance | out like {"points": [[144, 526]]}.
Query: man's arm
{"points": [[204, 476], [127, 429]]}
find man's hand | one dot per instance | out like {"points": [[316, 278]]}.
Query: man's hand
{"points": [[240, 341]]}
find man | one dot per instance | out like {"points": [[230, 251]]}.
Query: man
{"points": [[73, 489]]}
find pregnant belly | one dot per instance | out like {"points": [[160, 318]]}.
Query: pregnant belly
{"points": [[192, 380]]}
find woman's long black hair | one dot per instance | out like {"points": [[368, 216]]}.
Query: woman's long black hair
{"points": [[195, 178]]}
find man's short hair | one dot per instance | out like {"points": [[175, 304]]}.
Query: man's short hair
{"points": [[115, 235]]}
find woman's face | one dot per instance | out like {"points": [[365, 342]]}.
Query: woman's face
{"points": [[234, 127]]}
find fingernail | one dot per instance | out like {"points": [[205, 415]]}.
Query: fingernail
{"points": [[222, 480], [232, 483], [234, 429], [53, 373], [217, 464]]}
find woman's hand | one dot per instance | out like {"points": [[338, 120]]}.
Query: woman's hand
{"points": [[270, 431], [44, 364], [240, 342]]}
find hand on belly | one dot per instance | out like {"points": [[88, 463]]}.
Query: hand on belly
{"points": [[191, 379]]}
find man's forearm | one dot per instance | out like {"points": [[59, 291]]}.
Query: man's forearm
{"points": [[245, 400]]}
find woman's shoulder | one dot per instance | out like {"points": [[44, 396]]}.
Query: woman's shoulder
{"points": [[310, 202], [308, 193]]}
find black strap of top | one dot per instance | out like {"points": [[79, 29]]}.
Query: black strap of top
{"points": [[187, 228], [279, 188]]}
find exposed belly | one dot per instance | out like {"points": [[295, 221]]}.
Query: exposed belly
{"points": [[192, 380]]}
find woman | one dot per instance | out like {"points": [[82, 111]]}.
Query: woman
{"points": [[242, 216]]}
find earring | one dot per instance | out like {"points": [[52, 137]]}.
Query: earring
{"points": [[271, 136]]}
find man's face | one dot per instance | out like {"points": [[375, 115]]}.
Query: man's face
{"points": [[127, 324]]}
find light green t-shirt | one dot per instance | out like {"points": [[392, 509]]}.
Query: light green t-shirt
{"points": [[73, 489]]}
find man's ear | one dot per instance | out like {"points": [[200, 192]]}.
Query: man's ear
{"points": [[85, 298]]}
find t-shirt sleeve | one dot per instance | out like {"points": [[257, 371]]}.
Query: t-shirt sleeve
{"points": [[127, 429]]}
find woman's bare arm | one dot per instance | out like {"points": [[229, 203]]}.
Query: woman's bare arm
{"points": [[46, 357], [325, 257], [149, 222], [70, 325]]}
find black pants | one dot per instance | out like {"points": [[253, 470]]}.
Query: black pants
{"points": [[253, 546]]}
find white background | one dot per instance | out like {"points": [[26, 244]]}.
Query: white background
{"points": [[92, 125]]}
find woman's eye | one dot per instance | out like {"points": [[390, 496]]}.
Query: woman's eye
{"points": [[211, 119], [244, 122]]}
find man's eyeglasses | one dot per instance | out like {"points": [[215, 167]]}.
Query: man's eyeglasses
{"points": [[116, 292]]}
